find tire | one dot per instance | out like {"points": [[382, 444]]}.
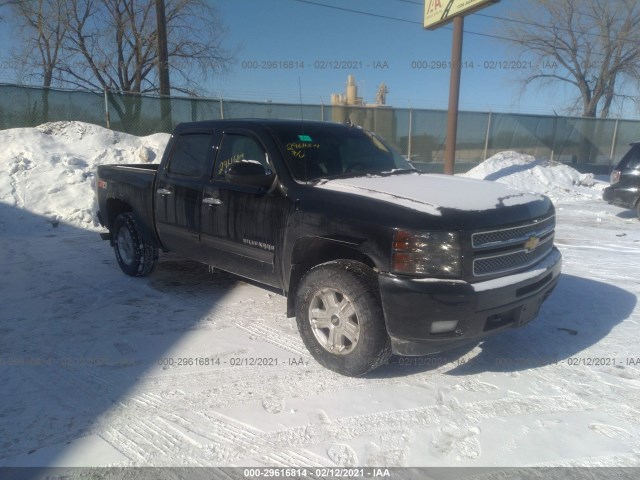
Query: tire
{"points": [[135, 256], [340, 318]]}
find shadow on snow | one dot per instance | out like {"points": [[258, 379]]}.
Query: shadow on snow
{"points": [[77, 335], [579, 314]]}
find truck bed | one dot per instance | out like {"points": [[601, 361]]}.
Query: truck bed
{"points": [[133, 183]]}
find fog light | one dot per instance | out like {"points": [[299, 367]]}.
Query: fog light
{"points": [[444, 326]]}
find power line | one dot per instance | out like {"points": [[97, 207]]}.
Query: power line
{"points": [[469, 32], [386, 17], [358, 11], [410, 1], [515, 20]]}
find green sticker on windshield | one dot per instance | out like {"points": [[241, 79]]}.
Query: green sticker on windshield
{"points": [[305, 138]]}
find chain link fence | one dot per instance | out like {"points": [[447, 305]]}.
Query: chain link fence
{"points": [[590, 145]]}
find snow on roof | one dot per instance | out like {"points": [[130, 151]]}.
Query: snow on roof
{"points": [[525, 173], [49, 170]]}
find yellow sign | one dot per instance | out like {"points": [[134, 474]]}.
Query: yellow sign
{"points": [[441, 12]]}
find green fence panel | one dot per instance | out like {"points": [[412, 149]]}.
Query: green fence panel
{"points": [[587, 143]]}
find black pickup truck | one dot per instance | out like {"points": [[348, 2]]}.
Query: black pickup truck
{"points": [[624, 190], [373, 256]]}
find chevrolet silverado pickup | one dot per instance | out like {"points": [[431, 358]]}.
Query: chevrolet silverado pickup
{"points": [[373, 256]]}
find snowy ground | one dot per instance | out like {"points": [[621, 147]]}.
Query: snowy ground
{"points": [[99, 369]]}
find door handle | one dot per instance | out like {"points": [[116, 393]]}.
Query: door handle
{"points": [[212, 201], [163, 191]]}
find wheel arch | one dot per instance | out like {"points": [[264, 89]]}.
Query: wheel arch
{"points": [[313, 251], [116, 206]]}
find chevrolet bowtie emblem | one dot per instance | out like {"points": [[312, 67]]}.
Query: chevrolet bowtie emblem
{"points": [[531, 244]]}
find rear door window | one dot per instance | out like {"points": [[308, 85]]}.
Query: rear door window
{"points": [[192, 155]]}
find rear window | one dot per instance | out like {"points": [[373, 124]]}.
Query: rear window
{"points": [[631, 160], [313, 152]]}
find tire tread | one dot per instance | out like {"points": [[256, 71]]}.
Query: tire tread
{"points": [[145, 254], [374, 349]]}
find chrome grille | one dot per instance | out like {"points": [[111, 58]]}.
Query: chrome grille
{"points": [[511, 261], [509, 249], [512, 236]]}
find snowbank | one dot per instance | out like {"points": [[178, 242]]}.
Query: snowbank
{"points": [[524, 172], [49, 170]]}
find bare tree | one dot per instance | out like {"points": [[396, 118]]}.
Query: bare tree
{"points": [[113, 44], [593, 46], [42, 30]]}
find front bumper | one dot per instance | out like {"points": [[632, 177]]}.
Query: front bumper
{"points": [[481, 309]]}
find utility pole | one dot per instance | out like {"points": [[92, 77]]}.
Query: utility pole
{"points": [[163, 66], [454, 96], [435, 16]]}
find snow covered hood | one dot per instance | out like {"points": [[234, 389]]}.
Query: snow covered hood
{"points": [[431, 193]]}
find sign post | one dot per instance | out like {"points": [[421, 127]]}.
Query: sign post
{"points": [[454, 96], [436, 14]]}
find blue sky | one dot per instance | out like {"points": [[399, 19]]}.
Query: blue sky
{"points": [[313, 40], [381, 50]]}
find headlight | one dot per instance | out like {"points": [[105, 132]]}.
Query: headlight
{"points": [[426, 253]]}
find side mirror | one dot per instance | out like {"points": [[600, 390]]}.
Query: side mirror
{"points": [[249, 172]]}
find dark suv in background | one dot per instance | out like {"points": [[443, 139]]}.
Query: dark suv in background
{"points": [[624, 190]]}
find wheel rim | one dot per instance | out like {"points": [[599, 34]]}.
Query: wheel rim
{"points": [[125, 245], [334, 321]]}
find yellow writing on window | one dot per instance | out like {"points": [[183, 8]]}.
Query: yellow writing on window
{"points": [[224, 164], [297, 149]]}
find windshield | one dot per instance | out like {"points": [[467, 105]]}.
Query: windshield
{"points": [[317, 151]]}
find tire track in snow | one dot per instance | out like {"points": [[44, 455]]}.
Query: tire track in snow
{"points": [[154, 440], [275, 337], [124, 444], [241, 441], [241, 385], [235, 441], [349, 428], [295, 459], [214, 437]]}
